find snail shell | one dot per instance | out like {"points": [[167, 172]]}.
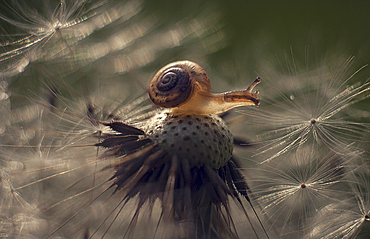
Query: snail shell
{"points": [[176, 83]]}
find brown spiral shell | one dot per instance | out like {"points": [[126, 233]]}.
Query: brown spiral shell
{"points": [[176, 83]]}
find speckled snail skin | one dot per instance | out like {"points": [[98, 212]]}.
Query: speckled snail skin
{"points": [[190, 127], [184, 87]]}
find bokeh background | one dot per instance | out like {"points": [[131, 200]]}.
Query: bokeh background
{"points": [[128, 41], [233, 40]]}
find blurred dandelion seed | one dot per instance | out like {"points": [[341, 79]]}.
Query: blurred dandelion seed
{"points": [[292, 189], [59, 34], [347, 217], [36, 25]]}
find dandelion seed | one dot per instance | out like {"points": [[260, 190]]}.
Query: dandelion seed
{"points": [[18, 216], [317, 113], [293, 188], [347, 217], [4, 107]]}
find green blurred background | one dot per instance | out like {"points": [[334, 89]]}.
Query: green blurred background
{"points": [[256, 31], [237, 41]]}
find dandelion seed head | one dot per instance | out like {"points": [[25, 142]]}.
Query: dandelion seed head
{"points": [[201, 139]]}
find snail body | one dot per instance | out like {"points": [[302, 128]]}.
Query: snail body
{"points": [[185, 88]]}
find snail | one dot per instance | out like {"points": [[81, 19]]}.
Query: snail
{"points": [[185, 88]]}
